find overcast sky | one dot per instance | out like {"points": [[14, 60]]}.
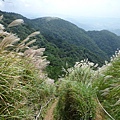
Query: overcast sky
{"points": [[59, 8]]}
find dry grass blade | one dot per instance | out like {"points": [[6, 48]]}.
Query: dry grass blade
{"points": [[117, 103]]}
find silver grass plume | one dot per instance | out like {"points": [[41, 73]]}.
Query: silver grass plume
{"points": [[34, 34], [7, 41], [107, 64], [16, 22], [2, 27], [1, 17], [31, 42], [25, 44], [2, 33], [35, 56]]}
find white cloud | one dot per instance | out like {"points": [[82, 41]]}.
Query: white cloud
{"points": [[1, 5], [32, 8]]}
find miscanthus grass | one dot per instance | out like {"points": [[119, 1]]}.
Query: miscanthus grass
{"points": [[90, 93], [108, 87], [77, 98], [23, 86], [76, 102]]}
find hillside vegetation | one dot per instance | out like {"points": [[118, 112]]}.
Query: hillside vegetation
{"points": [[105, 40], [23, 83], [86, 92], [65, 43]]}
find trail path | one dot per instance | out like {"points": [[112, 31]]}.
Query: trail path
{"points": [[49, 114]]}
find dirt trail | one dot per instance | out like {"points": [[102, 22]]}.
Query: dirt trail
{"points": [[49, 114]]}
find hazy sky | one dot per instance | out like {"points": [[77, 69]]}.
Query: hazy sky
{"points": [[59, 8]]}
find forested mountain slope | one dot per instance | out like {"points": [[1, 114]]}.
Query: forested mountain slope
{"points": [[56, 29], [65, 42], [106, 41]]}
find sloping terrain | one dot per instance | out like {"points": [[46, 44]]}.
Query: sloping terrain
{"points": [[65, 43]]}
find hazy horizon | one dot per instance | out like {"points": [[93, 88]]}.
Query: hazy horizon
{"points": [[88, 14], [69, 8]]}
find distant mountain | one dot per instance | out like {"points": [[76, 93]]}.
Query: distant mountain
{"points": [[65, 43], [106, 41], [98, 23], [102, 43]]}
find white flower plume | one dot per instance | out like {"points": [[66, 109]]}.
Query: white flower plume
{"points": [[16, 22]]}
